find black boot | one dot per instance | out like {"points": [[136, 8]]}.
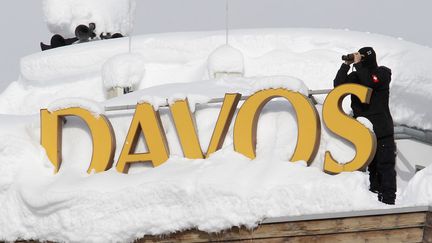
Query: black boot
{"points": [[374, 188], [386, 198]]}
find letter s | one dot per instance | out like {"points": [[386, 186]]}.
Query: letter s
{"points": [[348, 128]]}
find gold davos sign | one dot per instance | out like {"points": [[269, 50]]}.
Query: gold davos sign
{"points": [[147, 121]]}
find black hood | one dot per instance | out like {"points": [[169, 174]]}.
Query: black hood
{"points": [[369, 58]]}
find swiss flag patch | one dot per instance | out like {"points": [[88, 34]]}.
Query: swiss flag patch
{"points": [[375, 79]]}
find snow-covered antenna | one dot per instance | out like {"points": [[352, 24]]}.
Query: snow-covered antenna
{"points": [[226, 21], [130, 26]]}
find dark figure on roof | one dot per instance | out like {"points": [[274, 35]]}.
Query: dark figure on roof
{"points": [[83, 33], [382, 174]]}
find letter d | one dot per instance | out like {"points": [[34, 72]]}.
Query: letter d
{"points": [[100, 129]]}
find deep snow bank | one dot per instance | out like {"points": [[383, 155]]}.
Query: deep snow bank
{"points": [[213, 194]]}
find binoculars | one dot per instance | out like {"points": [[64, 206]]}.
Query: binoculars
{"points": [[348, 57]]}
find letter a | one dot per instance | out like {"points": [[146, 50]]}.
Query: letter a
{"points": [[147, 121]]}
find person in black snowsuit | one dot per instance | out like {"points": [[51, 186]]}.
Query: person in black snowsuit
{"points": [[382, 174]]}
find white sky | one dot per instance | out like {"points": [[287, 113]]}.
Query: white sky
{"points": [[22, 28]]}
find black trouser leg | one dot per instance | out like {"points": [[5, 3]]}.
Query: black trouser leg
{"points": [[385, 166], [373, 177]]}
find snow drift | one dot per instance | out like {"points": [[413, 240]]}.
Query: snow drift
{"points": [[213, 194]]}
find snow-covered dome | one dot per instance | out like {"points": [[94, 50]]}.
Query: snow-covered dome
{"points": [[123, 71], [63, 16], [226, 61]]}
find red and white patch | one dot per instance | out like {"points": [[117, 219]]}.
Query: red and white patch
{"points": [[375, 79]]}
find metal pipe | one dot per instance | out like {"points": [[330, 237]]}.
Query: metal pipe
{"points": [[319, 91], [401, 132], [166, 105], [401, 136], [405, 132], [212, 101]]}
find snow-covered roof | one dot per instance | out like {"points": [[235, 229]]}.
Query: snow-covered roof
{"points": [[214, 194]]}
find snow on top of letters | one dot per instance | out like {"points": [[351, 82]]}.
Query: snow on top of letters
{"points": [[95, 108], [366, 122], [275, 82]]}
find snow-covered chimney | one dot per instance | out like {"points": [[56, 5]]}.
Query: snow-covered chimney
{"points": [[113, 16], [122, 74], [226, 61]]}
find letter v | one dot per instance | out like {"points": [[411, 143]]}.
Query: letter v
{"points": [[186, 129]]}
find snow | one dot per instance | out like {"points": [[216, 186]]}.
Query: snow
{"points": [[312, 55], [419, 189], [95, 108], [225, 59], [193, 100], [365, 122], [203, 91], [275, 82], [155, 101], [114, 16], [214, 194], [123, 70], [158, 101]]}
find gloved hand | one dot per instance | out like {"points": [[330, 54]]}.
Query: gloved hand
{"points": [[357, 57], [349, 62]]}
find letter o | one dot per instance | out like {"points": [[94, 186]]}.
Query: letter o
{"points": [[309, 126]]}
